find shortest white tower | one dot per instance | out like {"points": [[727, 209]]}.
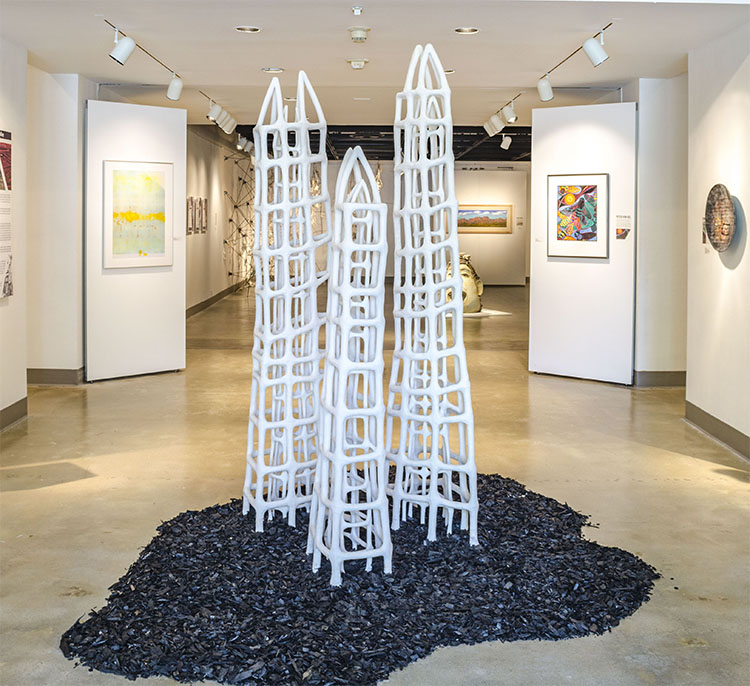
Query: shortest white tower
{"points": [[349, 512]]}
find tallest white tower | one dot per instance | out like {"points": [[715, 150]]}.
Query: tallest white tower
{"points": [[430, 421]]}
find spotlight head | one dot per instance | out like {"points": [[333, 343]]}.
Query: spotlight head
{"points": [[174, 90], [222, 119], [544, 88], [497, 122], [509, 113], [491, 130], [213, 111], [248, 147], [595, 50], [230, 126], [123, 48], [505, 142], [241, 141]]}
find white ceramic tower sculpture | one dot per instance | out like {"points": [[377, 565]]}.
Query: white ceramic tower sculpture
{"points": [[285, 399], [349, 514], [430, 422]]}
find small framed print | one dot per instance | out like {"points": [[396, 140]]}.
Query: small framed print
{"points": [[578, 215], [485, 219], [190, 216], [204, 215]]}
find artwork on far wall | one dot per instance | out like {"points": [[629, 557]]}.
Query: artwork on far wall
{"points": [[578, 215], [138, 214], [485, 219], [190, 216], [204, 214], [198, 208], [719, 219]]}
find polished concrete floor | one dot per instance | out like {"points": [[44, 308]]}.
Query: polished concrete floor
{"points": [[91, 473]]}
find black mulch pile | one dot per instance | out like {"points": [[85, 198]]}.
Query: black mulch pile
{"points": [[209, 598]]}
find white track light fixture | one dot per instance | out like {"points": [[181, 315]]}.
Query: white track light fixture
{"points": [[223, 119], [249, 147], [230, 126], [174, 89], [509, 113], [123, 48], [544, 88], [214, 110], [505, 142], [241, 142], [594, 49], [491, 130], [497, 122]]}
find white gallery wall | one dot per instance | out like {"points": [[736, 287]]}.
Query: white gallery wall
{"points": [[661, 239], [209, 174], [134, 317], [581, 319], [56, 114], [500, 259], [13, 309], [718, 323]]}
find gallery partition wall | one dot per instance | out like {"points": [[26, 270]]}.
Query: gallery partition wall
{"points": [[135, 240]]}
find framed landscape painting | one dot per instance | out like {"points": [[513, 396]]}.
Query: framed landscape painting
{"points": [[578, 215], [138, 214], [485, 219]]}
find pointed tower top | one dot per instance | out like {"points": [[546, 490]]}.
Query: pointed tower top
{"points": [[425, 70], [304, 91], [356, 182], [273, 106]]}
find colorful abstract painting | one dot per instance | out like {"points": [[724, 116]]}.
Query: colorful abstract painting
{"points": [[578, 219], [576, 213], [138, 221], [485, 219]]}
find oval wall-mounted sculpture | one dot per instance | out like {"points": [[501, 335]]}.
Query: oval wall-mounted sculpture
{"points": [[719, 220]]}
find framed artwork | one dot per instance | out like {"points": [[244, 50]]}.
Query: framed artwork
{"points": [[485, 219], [198, 206], [578, 215], [190, 214], [204, 215], [138, 214]]}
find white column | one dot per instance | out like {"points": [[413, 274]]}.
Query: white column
{"points": [[285, 398], [349, 516], [430, 417]]}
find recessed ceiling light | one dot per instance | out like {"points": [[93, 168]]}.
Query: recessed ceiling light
{"points": [[357, 10], [466, 30], [361, 98], [450, 71], [247, 29], [272, 70], [290, 98], [358, 62]]}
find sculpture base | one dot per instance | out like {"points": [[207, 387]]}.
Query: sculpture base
{"points": [[209, 598]]}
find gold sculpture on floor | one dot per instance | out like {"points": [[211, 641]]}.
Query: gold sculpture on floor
{"points": [[471, 285]]}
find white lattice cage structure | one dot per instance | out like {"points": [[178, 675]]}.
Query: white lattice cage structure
{"points": [[349, 517], [430, 422], [285, 396]]}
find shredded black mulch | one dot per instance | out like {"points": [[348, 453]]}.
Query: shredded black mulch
{"points": [[209, 598]]}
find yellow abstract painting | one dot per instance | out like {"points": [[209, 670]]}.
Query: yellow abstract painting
{"points": [[138, 213]]}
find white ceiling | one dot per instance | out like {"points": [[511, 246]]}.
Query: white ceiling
{"points": [[517, 43]]}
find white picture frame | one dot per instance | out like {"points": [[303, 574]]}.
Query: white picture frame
{"points": [[578, 215], [138, 221]]}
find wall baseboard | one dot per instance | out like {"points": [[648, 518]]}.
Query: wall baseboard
{"points": [[13, 413], [213, 299], [641, 379], [54, 377], [722, 431]]}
